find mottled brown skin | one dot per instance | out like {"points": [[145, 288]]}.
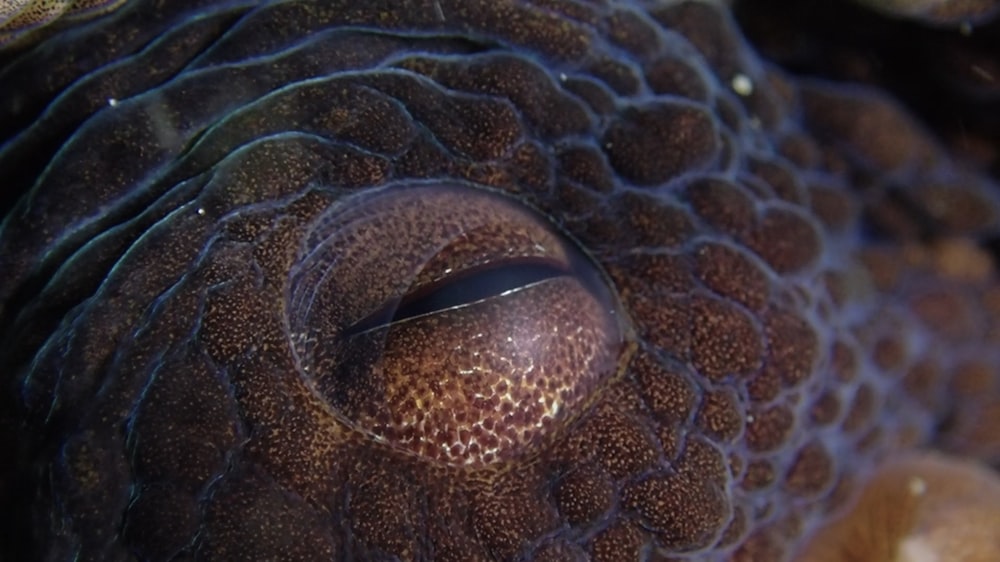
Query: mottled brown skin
{"points": [[799, 289]]}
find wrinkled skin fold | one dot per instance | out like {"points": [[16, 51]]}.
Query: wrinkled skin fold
{"points": [[466, 281]]}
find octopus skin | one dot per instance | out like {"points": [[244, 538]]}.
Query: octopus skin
{"points": [[457, 281]]}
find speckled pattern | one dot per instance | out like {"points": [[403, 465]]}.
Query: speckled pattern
{"points": [[800, 286], [22, 21]]}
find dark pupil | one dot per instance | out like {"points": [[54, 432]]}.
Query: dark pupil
{"points": [[460, 289]]}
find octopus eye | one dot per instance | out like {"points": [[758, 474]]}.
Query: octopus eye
{"points": [[452, 323]]}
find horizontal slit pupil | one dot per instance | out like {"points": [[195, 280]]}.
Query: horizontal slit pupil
{"points": [[465, 287], [475, 286]]}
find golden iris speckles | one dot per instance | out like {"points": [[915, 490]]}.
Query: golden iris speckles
{"points": [[451, 323]]}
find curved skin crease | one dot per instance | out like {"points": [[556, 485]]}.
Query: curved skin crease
{"points": [[546, 280]]}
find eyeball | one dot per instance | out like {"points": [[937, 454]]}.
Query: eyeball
{"points": [[450, 322]]}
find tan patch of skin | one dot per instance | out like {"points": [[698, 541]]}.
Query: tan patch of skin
{"points": [[920, 507], [955, 258], [18, 18]]}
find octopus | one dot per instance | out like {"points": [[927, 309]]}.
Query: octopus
{"points": [[484, 280]]}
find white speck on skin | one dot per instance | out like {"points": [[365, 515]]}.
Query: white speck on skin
{"points": [[917, 486], [916, 549], [201, 211], [742, 84], [112, 102]]}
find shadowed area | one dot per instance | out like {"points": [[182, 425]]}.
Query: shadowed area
{"points": [[944, 71], [469, 281], [937, 12]]}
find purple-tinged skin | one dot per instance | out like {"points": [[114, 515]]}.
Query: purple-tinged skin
{"points": [[469, 280]]}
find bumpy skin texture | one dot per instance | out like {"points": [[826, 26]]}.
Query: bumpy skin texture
{"points": [[797, 265]]}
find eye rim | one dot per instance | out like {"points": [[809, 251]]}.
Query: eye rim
{"points": [[586, 271]]}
